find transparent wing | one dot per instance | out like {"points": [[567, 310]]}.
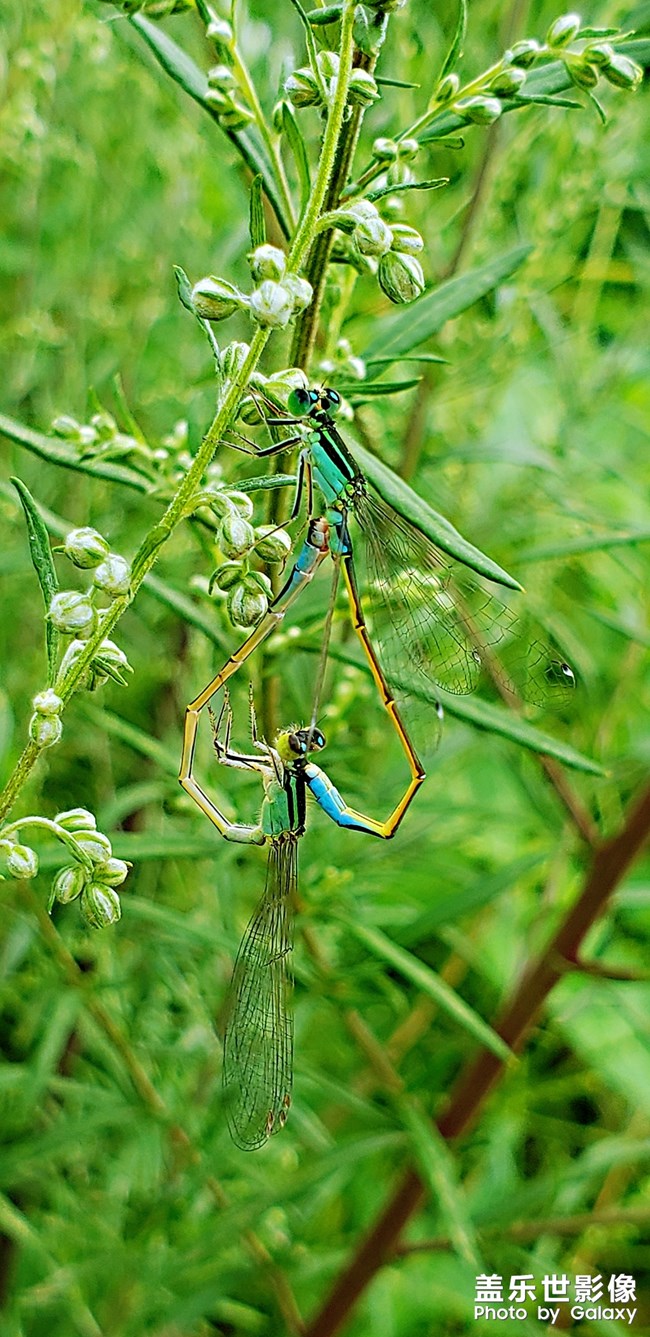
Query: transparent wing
{"points": [[258, 1042], [430, 618]]}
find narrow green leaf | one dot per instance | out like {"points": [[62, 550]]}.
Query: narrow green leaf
{"points": [[404, 331], [426, 979], [439, 1171], [597, 106], [589, 543], [385, 82], [408, 357], [310, 43], [179, 66], [298, 148], [407, 503], [434, 184], [41, 555], [266, 482], [184, 288], [257, 224], [456, 49], [60, 452], [319, 18], [358, 392], [544, 100]]}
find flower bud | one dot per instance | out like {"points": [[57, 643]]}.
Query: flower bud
{"points": [[329, 64], [242, 503], [598, 53], [272, 544], [111, 654], [247, 603], [582, 74], [232, 115], [236, 536], [233, 358], [525, 53], [19, 860], [220, 32], [76, 819], [299, 289], [85, 547], [271, 305], [623, 72], [302, 88], [408, 149], [45, 730], [95, 845], [507, 81], [447, 88], [72, 612], [401, 277], [372, 236], [113, 575], [224, 577], [66, 426], [113, 873], [362, 89], [267, 262], [222, 77], [47, 702], [563, 30], [406, 240], [100, 905], [215, 299], [479, 110], [384, 150], [68, 883]]}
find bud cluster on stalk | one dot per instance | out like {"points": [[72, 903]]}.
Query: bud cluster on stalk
{"points": [[278, 294], [238, 541], [390, 250], [484, 98], [102, 438], [93, 875], [316, 86]]}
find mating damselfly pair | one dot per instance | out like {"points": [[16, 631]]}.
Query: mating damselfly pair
{"points": [[424, 623]]}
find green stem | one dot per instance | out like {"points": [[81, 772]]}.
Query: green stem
{"points": [[61, 834], [248, 88]]}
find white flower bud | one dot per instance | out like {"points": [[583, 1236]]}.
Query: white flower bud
{"points": [[71, 611], [216, 299], [372, 236], [113, 873], [247, 603], [299, 289], [19, 860], [406, 240], [100, 905], [236, 535], [68, 883], [85, 547], [272, 544], [267, 262], [113, 575], [96, 846], [271, 305], [47, 702], [401, 277], [76, 819], [45, 730]]}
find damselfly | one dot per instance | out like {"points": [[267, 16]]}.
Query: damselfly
{"points": [[258, 1041]]}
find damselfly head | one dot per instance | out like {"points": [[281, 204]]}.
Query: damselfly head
{"points": [[303, 403], [297, 743]]}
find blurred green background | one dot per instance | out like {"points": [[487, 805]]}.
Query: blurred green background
{"points": [[534, 442]]}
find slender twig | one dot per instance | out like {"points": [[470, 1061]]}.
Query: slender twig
{"points": [[609, 864], [525, 1231]]}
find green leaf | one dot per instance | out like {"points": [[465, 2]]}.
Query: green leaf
{"points": [[358, 392], [319, 18], [408, 357], [184, 288], [266, 482], [385, 82], [426, 979], [402, 332], [438, 1168], [179, 66], [257, 225], [407, 503], [589, 543], [41, 555], [455, 51], [434, 184], [58, 452], [297, 145]]}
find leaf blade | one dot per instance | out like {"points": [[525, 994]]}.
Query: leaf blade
{"points": [[43, 563]]}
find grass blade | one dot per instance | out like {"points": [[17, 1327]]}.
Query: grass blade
{"points": [[41, 555], [456, 49], [56, 451], [257, 225]]}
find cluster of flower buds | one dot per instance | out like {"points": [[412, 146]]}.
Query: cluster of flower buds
{"points": [[247, 591], [316, 87], [584, 66], [397, 154], [46, 725], [221, 98], [95, 876], [87, 549], [102, 438], [109, 662], [392, 247], [277, 297]]}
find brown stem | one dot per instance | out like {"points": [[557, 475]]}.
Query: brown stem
{"points": [[609, 864]]}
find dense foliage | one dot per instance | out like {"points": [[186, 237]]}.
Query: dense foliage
{"points": [[124, 1207]]}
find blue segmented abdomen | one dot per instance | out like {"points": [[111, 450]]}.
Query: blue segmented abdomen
{"points": [[328, 798]]}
